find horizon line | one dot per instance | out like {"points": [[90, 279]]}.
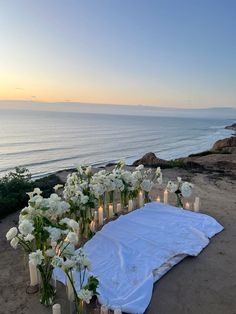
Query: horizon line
{"points": [[117, 104]]}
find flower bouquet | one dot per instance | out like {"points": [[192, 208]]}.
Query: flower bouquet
{"points": [[181, 190]]}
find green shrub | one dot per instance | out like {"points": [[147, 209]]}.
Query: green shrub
{"points": [[46, 184], [13, 188]]}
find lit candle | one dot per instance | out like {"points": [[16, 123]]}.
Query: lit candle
{"points": [[158, 199], [130, 206], [92, 226], [95, 215], [33, 274], [187, 205], [56, 309], [140, 199], [196, 204], [110, 210], [100, 216], [70, 291], [117, 311], [104, 309], [118, 207], [165, 197]]}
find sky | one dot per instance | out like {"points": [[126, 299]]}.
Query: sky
{"points": [[161, 53]]}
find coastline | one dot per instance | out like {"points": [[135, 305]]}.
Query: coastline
{"points": [[214, 160], [206, 281]]}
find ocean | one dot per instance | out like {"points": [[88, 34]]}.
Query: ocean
{"points": [[48, 141]]}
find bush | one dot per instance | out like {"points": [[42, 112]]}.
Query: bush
{"points": [[13, 188], [47, 184]]}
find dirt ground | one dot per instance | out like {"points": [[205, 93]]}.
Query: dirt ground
{"points": [[198, 285]]}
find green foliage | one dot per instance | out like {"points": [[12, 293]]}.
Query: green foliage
{"points": [[47, 184], [177, 163], [13, 188], [92, 284]]}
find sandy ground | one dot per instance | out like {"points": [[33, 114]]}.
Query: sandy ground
{"points": [[199, 285]]}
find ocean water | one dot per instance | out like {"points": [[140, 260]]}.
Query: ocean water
{"points": [[47, 141]]}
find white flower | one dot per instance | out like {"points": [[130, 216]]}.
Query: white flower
{"points": [[67, 249], [26, 227], [54, 233], [146, 185], [29, 237], [68, 263], [84, 199], [36, 257], [179, 179], [159, 179], [11, 233], [85, 295], [186, 189], [172, 187], [37, 191], [57, 187], [158, 171], [14, 242], [57, 261], [82, 260], [140, 167], [50, 252], [72, 237], [88, 171], [74, 225]]}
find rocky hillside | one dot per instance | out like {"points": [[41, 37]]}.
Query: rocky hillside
{"points": [[221, 158]]}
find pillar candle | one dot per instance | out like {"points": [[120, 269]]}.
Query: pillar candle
{"points": [[110, 210], [100, 216], [140, 199], [117, 311], [118, 207], [92, 225], [187, 205], [196, 204], [130, 206], [158, 199], [33, 274], [56, 309], [104, 309], [165, 197]]}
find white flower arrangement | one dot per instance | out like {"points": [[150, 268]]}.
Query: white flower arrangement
{"points": [[181, 189]]}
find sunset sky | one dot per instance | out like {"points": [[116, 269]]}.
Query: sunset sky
{"points": [[166, 53]]}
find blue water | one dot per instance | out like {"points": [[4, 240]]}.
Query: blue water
{"points": [[45, 141]]}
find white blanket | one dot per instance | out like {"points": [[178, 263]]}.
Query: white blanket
{"points": [[129, 254]]}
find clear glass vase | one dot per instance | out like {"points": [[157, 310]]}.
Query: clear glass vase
{"points": [[47, 287], [179, 200]]}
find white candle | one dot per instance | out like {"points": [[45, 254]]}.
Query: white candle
{"points": [[165, 197], [95, 215], [33, 274], [56, 309], [104, 309], [70, 291], [100, 216], [92, 226], [110, 210], [158, 199], [118, 207], [187, 205], [196, 204], [130, 206], [117, 311], [140, 199]]}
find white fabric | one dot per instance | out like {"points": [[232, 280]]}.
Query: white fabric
{"points": [[129, 254]]}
